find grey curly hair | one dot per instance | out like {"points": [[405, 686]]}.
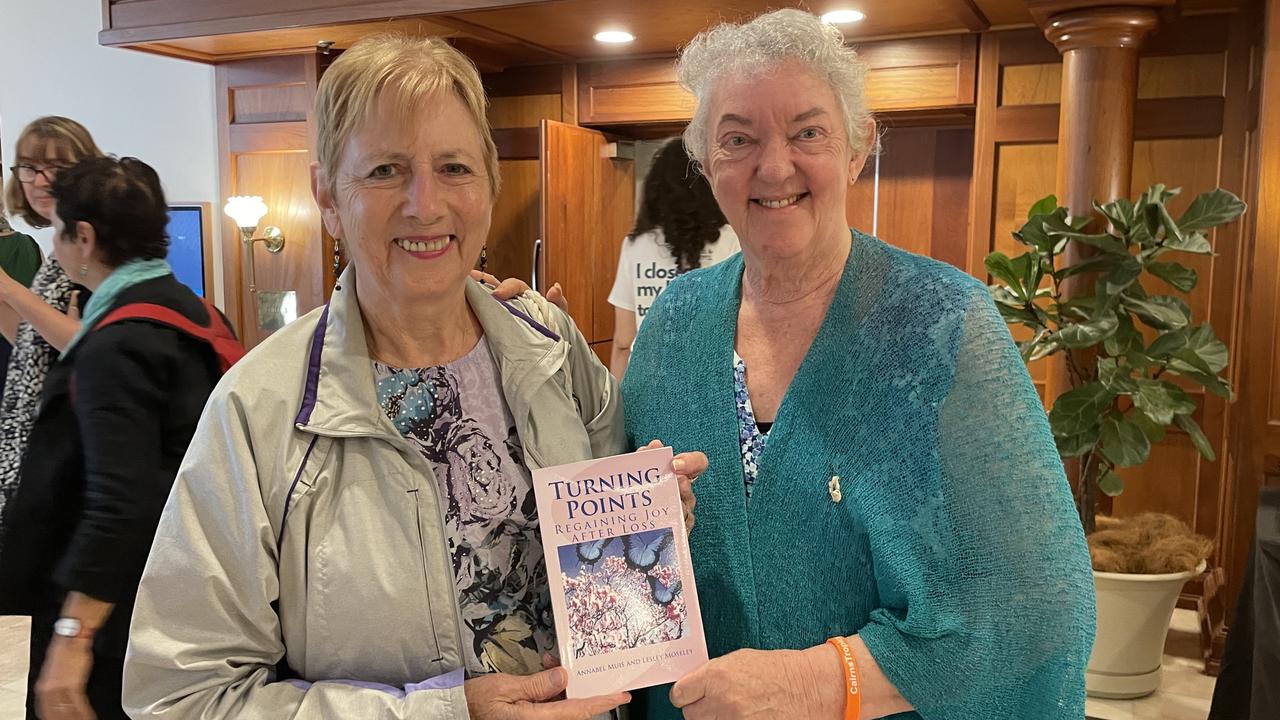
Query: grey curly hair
{"points": [[762, 44]]}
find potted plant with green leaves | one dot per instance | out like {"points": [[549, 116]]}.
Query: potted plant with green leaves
{"points": [[1115, 311]]}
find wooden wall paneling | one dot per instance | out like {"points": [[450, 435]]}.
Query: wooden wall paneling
{"points": [[271, 159], [1153, 118], [283, 180], [569, 93], [617, 208], [519, 99], [1178, 76], [519, 143], [906, 189], [952, 176], [226, 296], [515, 111], [920, 72], [629, 91], [982, 187], [1023, 175], [515, 220], [860, 203], [913, 74], [251, 137], [1031, 84], [1171, 479], [532, 80], [1255, 427], [272, 103]]}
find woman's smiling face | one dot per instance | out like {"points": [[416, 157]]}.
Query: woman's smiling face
{"points": [[779, 159], [411, 200]]}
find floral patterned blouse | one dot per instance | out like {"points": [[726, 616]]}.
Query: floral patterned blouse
{"points": [[457, 417], [750, 435]]}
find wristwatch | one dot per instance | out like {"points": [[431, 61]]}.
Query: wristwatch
{"points": [[69, 627]]}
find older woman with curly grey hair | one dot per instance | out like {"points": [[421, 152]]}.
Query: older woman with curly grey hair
{"points": [[886, 527], [353, 533]]}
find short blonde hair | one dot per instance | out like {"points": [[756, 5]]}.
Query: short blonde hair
{"points": [[68, 140], [412, 68], [763, 44]]}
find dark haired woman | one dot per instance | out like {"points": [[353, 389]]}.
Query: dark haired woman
{"points": [[679, 228], [118, 410]]}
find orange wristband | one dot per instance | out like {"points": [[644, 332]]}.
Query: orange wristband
{"points": [[853, 699]]}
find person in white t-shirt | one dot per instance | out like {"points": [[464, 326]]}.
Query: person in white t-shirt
{"points": [[679, 228]]}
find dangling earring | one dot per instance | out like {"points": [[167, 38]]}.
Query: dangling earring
{"points": [[337, 263], [84, 271], [484, 258]]}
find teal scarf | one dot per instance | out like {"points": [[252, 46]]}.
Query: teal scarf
{"points": [[104, 298]]}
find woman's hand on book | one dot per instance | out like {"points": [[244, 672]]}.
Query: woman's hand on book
{"points": [[688, 466], [532, 697], [787, 684]]}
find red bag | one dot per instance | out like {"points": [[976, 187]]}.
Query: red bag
{"points": [[217, 334]]}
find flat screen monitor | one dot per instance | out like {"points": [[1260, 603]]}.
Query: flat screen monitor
{"points": [[188, 237]]}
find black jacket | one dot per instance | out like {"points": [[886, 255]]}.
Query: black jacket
{"points": [[115, 419]]}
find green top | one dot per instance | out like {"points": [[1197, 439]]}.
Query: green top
{"points": [[20, 257]]}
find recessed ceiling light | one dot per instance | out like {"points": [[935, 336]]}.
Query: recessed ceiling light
{"points": [[614, 36], [842, 17]]}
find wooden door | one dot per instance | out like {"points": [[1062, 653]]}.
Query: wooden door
{"points": [[587, 206]]}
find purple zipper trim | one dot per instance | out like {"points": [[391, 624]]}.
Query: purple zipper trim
{"points": [[447, 681], [542, 329], [313, 370], [288, 499]]}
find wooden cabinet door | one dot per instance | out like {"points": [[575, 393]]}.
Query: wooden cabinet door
{"points": [[587, 206]]}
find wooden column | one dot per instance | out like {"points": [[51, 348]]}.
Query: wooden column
{"points": [[1099, 47]]}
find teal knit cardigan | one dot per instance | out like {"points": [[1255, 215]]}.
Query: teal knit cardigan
{"points": [[955, 551]]}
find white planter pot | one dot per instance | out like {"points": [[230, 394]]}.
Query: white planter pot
{"points": [[1133, 619]]}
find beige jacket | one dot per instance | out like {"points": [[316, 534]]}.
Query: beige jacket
{"points": [[304, 537]]}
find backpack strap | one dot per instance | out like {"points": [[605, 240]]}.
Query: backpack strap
{"points": [[217, 333]]}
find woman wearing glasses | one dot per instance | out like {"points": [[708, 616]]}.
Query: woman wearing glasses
{"points": [[41, 320]]}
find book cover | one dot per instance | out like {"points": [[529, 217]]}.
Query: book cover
{"points": [[622, 586]]}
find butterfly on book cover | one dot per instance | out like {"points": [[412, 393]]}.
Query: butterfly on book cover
{"points": [[643, 555], [663, 593]]}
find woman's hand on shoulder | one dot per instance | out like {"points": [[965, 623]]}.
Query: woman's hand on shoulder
{"points": [[513, 287], [789, 684], [533, 697]]}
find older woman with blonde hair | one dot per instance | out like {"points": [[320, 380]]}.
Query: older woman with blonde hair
{"points": [[885, 526], [353, 533]]}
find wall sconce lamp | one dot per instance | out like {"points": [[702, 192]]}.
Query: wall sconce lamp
{"points": [[247, 210]]}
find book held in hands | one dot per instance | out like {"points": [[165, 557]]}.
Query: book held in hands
{"points": [[621, 578]]}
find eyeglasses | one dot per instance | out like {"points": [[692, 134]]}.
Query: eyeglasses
{"points": [[27, 173]]}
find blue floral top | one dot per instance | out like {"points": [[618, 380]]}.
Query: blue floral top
{"points": [[457, 417], [751, 438]]}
